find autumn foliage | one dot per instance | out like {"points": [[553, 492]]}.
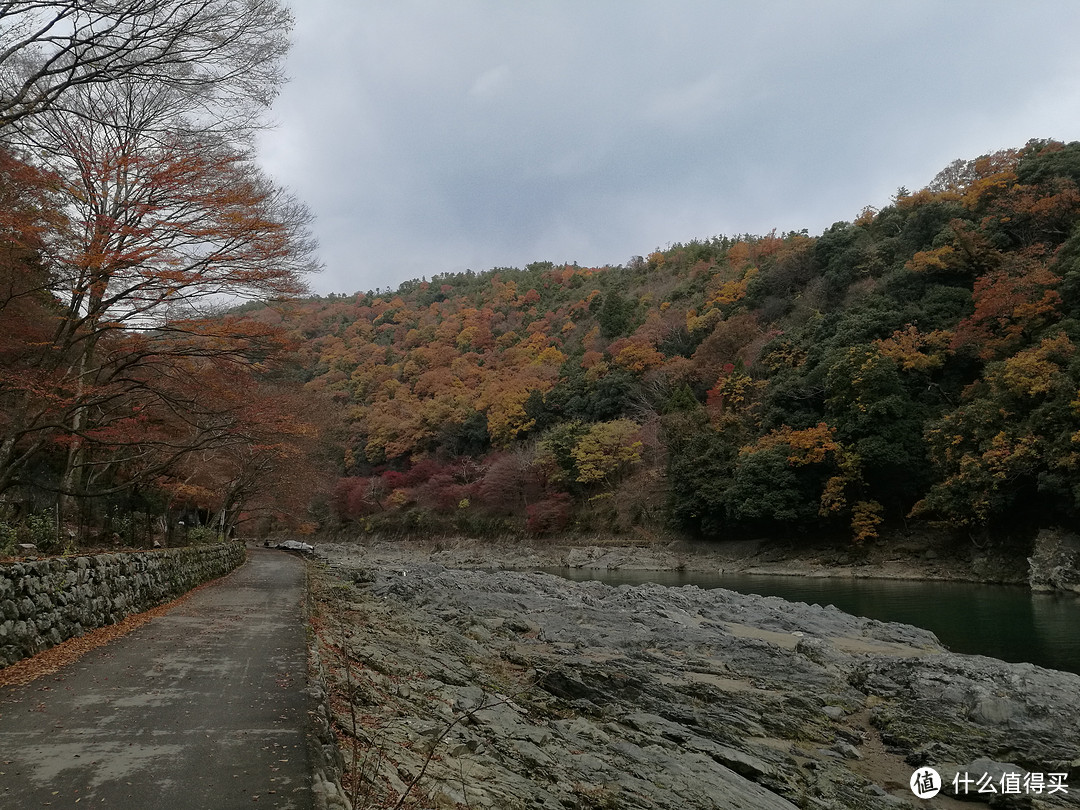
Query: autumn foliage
{"points": [[132, 216], [918, 363], [915, 363], [113, 398]]}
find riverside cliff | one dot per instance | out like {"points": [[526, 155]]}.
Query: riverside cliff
{"points": [[472, 689]]}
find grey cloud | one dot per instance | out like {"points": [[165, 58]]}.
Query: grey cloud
{"points": [[432, 136]]}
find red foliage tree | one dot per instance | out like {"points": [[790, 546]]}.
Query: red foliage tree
{"points": [[550, 515], [129, 369]]}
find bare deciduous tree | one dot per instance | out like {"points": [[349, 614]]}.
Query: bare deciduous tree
{"points": [[222, 54]]}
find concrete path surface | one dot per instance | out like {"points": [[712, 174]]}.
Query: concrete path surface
{"points": [[203, 708]]}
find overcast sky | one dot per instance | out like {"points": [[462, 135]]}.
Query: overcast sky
{"points": [[437, 135]]}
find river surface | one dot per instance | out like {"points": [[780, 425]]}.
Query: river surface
{"points": [[1002, 621]]}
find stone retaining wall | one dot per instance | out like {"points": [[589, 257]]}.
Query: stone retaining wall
{"points": [[44, 602]]}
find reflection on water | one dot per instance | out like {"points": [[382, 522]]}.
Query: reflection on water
{"points": [[1002, 621]]}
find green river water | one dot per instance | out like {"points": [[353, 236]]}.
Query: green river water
{"points": [[1006, 622]]}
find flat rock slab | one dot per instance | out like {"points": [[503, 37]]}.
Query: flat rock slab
{"points": [[204, 707]]}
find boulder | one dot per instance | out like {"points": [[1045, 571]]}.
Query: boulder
{"points": [[1055, 562]]}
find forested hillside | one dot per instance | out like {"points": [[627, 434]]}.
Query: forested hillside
{"points": [[918, 363]]}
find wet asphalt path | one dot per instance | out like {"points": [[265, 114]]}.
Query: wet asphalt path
{"points": [[200, 709]]}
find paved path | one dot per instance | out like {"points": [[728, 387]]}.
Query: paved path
{"points": [[200, 709]]}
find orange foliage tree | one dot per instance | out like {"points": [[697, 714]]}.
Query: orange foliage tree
{"points": [[163, 225]]}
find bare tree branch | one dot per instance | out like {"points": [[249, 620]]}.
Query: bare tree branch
{"points": [[223, 55]]}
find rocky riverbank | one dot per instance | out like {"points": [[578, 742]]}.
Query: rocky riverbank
{"points": [[917, 556], [467, 689]]}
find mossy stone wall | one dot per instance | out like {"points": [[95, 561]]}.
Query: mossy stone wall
{"points": [[45, 602]]}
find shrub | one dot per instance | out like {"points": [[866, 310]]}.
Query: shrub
{"points": [[38, 528], [202, 535], [549, 515]]}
